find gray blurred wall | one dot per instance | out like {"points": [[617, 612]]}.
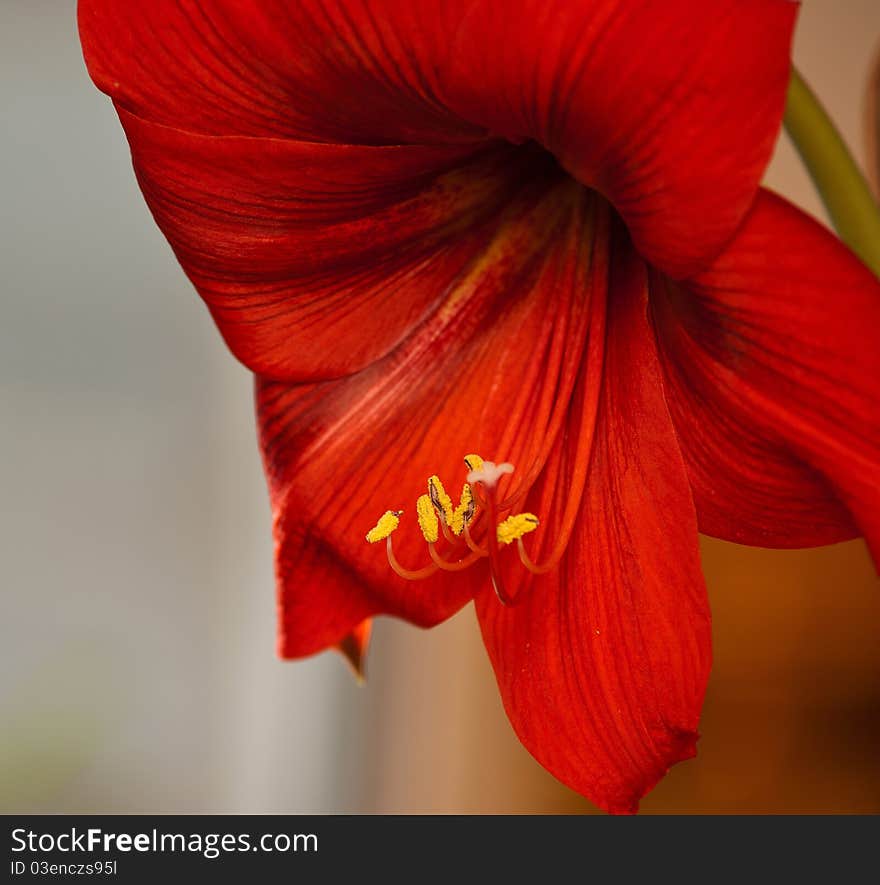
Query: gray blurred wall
{"points": [[138, 667]]}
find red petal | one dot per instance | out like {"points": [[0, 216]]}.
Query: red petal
{"points": [[317, 260], [773, 380], [603, 663], [491, 371], [344, 72], [669, 107]]}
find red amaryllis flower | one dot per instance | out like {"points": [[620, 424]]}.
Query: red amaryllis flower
{"points": [[532, 231]]}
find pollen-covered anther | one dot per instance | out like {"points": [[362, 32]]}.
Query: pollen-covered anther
{"points": [[388, 522], [514, 527], [464, 513], [473, 462], [447, 528], [428, 522], [441, 501]]}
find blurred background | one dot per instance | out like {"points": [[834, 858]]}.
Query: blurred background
{"points": [[138, 669]]}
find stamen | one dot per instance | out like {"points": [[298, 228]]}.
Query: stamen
{"points": [[409, 574], [514, 527], [441, 501], [447, 532], [473, 462], [464, 513], [427, 516], [436, 514], [526, 560], [449, 566], [388, 523], [472, 543]]}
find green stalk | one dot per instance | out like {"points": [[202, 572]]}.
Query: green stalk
{"points": [[841, 185]]}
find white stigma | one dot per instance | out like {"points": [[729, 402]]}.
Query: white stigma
{"points": [[489, 473]]}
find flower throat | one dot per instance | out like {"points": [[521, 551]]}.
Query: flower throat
{"points": [[438, 516]]}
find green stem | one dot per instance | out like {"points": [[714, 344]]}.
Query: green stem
{"points": [[844, 191]]}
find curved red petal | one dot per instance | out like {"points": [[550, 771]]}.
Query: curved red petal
{"points": [[603, 663], [491, 371], [346, 72], [669, 107], [773, 381], [316, 260]]}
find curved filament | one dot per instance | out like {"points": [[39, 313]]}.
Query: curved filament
{"points": [[408, 574], [545, 567], [474, 546], [448, 566]]}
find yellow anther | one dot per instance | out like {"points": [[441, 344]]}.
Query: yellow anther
{"points": [[473, 462], [441, 501], [514, 527], [387, 523], [428, 522], [464, 512]]}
